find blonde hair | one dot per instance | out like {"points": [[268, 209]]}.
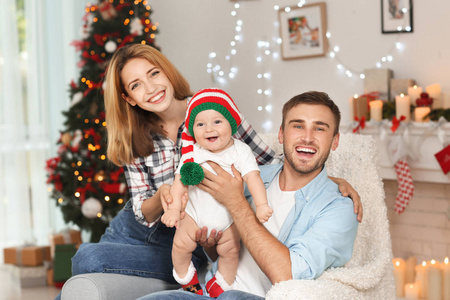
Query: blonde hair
{"points": [[130, 128]]}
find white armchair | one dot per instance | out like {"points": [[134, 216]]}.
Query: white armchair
{"points": [[368, 274]]}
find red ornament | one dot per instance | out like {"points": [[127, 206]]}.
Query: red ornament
{"points": [[113, 188], [82, 190], [115, 175], [52, 163], [56, 180], [424, 100]]}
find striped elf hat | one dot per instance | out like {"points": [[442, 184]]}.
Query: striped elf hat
{"points": [[212, 98]]}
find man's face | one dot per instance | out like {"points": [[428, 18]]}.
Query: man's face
{"points": [[308, 137]]}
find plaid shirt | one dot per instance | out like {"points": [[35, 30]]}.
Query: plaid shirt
{"points": [[147, 174]]}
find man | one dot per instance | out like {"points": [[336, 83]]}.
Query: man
{"points": [[313, 226]]}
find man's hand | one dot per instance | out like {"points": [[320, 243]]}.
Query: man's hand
{"points": [[166, 200], [225, 188]]}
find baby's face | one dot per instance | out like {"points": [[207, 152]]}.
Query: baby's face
{"points": [[212, 131]]}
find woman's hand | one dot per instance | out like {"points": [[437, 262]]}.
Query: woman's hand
{"points": [[348, 191], [166, 199], [201, 237]]}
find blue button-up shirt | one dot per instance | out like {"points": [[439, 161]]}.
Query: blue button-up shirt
{"points": [[319, 230], [321, 227]]}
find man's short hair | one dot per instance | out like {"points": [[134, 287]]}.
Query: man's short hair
{"points": [[313, 98]]}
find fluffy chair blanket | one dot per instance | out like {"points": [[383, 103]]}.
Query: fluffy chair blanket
{"points": [[368, 275]]}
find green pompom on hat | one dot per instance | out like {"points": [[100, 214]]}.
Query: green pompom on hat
{"points": [[215, 99]]}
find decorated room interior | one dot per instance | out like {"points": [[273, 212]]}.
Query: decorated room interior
{"points": [[384, 63]]}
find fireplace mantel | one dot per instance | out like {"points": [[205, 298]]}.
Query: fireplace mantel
{"points": [[423, 140]]}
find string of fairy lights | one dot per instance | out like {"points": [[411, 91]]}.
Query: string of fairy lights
{"points": [[268, 48], [213, 67]]}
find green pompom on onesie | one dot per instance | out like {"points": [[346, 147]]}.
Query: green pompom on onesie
{"points": [[191, 173]]}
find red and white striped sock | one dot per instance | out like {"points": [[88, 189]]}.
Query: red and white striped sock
{"points": [[405, 185]]}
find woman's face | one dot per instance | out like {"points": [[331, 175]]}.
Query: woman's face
{"points": [[147, 86]]}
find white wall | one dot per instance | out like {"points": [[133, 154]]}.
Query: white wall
{"points": [[191, 29]]}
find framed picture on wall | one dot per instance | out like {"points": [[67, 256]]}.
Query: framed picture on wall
{"points": [[303, 31], [396, 16]]}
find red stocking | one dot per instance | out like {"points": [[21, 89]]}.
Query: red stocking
{"points": [[405, 185]]}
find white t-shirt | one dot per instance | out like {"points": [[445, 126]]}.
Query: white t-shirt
{"points": [[249, 277], [202, 207]]}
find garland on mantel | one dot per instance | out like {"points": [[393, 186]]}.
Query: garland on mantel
{"points": [[434, 115]]}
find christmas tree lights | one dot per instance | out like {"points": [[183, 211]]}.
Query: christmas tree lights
{"points": [[90, 190]]}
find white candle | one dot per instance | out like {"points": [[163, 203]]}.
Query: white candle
{"points": [[376, 110], [411, 291], [421, 279], [399, 275], [434, 274], [445, 267], [420, 112], [410, 273], [402, 107], [434, 91], [414, 93]]}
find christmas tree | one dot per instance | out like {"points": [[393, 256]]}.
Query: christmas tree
{"points": [[88, 188]]}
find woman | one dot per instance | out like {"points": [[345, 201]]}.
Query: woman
{"points": [[146, 101]]}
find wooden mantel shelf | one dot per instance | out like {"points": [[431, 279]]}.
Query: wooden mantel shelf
{"points": [[424, 140]]}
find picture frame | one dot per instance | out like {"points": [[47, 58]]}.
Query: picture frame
{"points": [[303, 31], [396, 16]]}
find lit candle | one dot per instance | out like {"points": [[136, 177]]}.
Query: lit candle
{"points": [[421, 279], [411, 291], [376, 110], [414, 93], [402, 107], [399, 275], [434, 91], [420, 113], [434, 274], [445, 267], [410, 273]]}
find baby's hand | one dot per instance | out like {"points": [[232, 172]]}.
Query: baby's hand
{"points": [[171, 218], [263, 212]]}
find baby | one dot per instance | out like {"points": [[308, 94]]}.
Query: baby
{"points": [[211, 119]]}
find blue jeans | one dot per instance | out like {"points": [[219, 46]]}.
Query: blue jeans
{"points": [[183, 295], [130, 248], [127, 247]]}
